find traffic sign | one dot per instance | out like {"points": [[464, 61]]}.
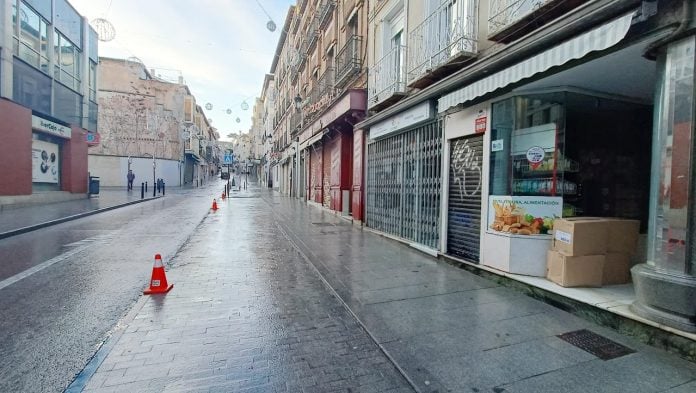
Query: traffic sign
{"points": [[228, 158]]}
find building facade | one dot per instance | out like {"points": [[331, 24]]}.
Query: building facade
{"points": [[565, 108], [318, 93], [48, 84], [152, 127]]}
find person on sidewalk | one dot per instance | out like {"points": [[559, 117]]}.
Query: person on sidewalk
{"points": [[130, 177]]}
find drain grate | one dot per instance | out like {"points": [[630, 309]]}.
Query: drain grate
{"points": [[595, 344], [323, 224]]}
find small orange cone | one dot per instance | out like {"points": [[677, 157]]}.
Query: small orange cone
{"points": [[158, 283], [214, 205], [223, 195]]}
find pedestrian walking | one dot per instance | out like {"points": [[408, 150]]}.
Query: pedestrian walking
{"points": [[130, 177]]}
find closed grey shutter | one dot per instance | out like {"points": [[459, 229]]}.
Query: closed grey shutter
{"points": [[464, 207]]}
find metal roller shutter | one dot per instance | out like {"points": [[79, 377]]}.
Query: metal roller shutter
{"points": [[464, 207]]}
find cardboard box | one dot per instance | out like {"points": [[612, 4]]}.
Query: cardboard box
{"points": [[623, 235], [578, 236], [617, 268], [575, 271]]}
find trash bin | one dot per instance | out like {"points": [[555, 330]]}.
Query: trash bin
{"points": [[94, 185]]}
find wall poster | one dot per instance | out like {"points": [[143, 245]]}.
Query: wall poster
{"points": [[45, 162], [523, 215]]}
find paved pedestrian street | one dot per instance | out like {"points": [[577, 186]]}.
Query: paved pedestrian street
{"points": [[272, 295], [247, 313]]}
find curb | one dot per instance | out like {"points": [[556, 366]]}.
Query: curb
{"points": [[30, 228]]}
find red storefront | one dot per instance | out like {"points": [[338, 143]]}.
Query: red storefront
{"points": [[329, 151], [40, 153]]}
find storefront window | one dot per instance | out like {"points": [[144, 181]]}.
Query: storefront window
{"points": [[67, 64], [31, 87], [527, 138], [670, 198], [32, 42]]}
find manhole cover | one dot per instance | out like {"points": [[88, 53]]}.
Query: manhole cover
{"points": [[595, 344]]}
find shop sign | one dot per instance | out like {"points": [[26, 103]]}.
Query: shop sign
{"points": [[41, 124], [523, 215], [45, 162], [410, 117], [480, 122], [92, 138], [535, 155]]}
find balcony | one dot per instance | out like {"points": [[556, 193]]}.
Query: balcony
{"points": [[387, 79], [295, 122], [511, 19], [325, 10], [312, 34], [321, 95], [446, 36], [348, 60]]}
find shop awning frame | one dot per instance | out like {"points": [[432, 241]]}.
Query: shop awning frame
{"points": [[597, 39]]}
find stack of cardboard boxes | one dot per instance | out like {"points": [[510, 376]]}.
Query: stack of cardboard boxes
{"points": [[591, 251]]}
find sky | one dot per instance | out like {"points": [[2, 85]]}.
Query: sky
{"points": [[222, 48]]}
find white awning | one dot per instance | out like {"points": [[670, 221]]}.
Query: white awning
{"points": [[599, 38], [316, 138]]}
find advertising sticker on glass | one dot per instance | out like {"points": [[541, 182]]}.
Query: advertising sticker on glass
{"points": [[523, 215], [45, 162]]}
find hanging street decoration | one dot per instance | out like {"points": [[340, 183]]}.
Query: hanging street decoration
{"points": [[105, 30]]}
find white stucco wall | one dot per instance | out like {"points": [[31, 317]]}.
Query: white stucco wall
{"points": [[112, 170], [456, 125]]}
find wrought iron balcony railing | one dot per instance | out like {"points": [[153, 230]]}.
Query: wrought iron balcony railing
{"points": [[504, 13], [348, 60], [449, 32], [312, 34], [295, 121], [388, 76], [325, 9], [326, 83]]}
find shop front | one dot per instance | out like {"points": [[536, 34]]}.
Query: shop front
{"points": [[572, 135], [403, 186], [43, 153], [327, 147], [466, 136]]}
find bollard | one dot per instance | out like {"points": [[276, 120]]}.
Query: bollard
{"points": [[145, 186], [154, 191], [162, 187], [142, 190]]}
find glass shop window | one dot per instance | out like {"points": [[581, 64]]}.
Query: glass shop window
{"points": [[527, 146]]}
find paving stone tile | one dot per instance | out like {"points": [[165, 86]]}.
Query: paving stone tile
{"points": [[251, 315]]}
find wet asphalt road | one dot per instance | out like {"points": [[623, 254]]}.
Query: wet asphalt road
{"points": [[65, 287]]}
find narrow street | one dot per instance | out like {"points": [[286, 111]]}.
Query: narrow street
{"points": [[64, 288], [272, 295]]}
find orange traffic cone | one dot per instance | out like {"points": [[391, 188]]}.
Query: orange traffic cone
{"points": [[214, 205], [223, 195], [158, 283]]}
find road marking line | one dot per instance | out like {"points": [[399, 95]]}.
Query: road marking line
{"points": [[20, 276]]}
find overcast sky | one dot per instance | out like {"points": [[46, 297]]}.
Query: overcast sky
{"points": [[221, 47]]}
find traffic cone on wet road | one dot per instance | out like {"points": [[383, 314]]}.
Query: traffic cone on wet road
{"points": [[223, 195], [214, 205], [158, 282]]}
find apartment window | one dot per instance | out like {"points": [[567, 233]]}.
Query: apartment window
{"points": [[352, 27], [30, 36], [188, 109], [396, 44], [67, 62], [92, 80]]}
